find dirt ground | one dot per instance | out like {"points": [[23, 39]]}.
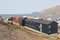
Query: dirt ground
{"points": [[12, 33]]}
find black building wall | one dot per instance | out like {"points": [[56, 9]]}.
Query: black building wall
{"points": [[45, 28], [50, 30], [32, 25], [54, 28], [22, 21]]}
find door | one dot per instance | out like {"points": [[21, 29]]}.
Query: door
{"points": [[45, 29], [54, 28]]}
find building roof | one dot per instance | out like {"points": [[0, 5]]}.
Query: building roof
{"points": [[40, 21], [22, 18]]}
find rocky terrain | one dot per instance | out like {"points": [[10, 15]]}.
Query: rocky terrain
{"points": [[52, 10], [10, 32]]}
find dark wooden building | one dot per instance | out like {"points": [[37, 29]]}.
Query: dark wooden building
{"points": [[48, 27], [22, 21]]}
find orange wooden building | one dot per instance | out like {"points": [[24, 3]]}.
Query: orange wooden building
{"points": [[16, 20]]}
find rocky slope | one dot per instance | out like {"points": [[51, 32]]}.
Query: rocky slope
{"points": [[53, 10], [12, 33]]}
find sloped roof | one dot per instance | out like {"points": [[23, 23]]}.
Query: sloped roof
{"points": [[40, 21], [22, 18]]}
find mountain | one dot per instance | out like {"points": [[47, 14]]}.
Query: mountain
{"points": [[53, 10]]}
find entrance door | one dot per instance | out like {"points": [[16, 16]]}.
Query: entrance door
{"points": [[45, 29]]}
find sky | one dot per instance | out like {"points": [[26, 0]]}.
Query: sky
{"points": [[26, 6]]}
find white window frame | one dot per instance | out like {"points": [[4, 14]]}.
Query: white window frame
{"points": [[40, 27], [49, 28]]}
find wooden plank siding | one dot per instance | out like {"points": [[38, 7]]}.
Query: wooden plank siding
{"points": [[48, 27]]}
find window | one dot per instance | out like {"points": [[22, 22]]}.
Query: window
{"points": [[49, 28], [49, 31], [40, 27]]}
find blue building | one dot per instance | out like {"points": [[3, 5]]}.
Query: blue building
{"points": [[48, 27], [22, 21]]}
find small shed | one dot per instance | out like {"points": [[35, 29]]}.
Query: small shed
{"points": [[48, 27], [16, 20]]}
